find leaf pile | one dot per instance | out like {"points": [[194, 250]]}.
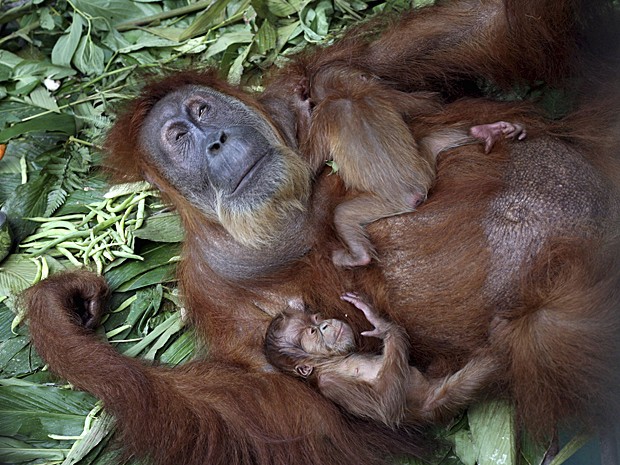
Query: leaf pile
{"points": [[65, 65]]}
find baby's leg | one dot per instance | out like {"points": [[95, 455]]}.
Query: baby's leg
{"points": [[433, 400], [491, 133]]}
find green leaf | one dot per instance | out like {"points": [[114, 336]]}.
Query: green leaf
{"points": [[147, 302], [111, 12], [236, 69], [5, 72], [287, 32], [88, 57], [210, 17], [9, 59], [232, 38], [157, 275], [52, 122], [17, 273], [315, 21], [180, 350], [30, 201], [28, 74], [165, 227], [46, 20], [492, 435], [464, 447], [67, 44], [171, 324], [6, 237], [570, 448], [35, 411], [98, 434], [154, 257], [213, 16], [15, 451], [283, 8], [42, 98], [119, 190], [266, 37], [14, 360]]}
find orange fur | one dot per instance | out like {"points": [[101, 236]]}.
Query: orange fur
{"points": [[506, 259]]}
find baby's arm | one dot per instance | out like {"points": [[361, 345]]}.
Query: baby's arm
{"points": [[390, 383]]}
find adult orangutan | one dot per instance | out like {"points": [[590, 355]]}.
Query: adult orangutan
{"points": [[513, 258]]}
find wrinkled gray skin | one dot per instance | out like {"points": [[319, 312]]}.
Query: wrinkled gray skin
{"points": [[205, 143]]}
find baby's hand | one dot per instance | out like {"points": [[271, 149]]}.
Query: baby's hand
{"points": [[379, 323]]}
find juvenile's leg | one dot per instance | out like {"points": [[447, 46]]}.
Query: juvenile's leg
{"points": [[351, 216]]}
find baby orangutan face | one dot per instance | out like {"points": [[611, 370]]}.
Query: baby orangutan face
{"points": [[298, 341], [315, 335]]}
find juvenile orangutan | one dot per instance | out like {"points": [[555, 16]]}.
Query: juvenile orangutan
{"points": [[375, 151], [382, 387]]}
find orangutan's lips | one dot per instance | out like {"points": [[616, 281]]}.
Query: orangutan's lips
{"points": [[249, 174]]}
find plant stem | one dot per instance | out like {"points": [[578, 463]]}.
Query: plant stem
{"points": [[23, 31], [128, 25]]}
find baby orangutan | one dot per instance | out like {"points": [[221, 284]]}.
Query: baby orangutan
{"points": [[381, 387]]}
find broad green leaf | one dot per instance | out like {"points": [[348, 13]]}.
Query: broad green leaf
{"points": [[148, 41], [88, 57], [5, 72], [285, 33], [165, 227], [14, 451], [46, 20], [464, 447], [147, 302], [25, 84], [9, 59], [283, 8], [36, 411], [226, 40], [154, 257], [91, 192], [28, 74], [157, 275], [30, 201], [119, 190], [236, 69], [50, 122], [67, 44], [17, 273], [14, 360], [180, 350], [6, 317], [266, 37], [101, 430], [6, 236], [212, 15], [492, 430], [569, 449], [420, 3], [13, 112], [111, 12], [172, 323], [315, 21], [165, 337], [42, 98]]}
